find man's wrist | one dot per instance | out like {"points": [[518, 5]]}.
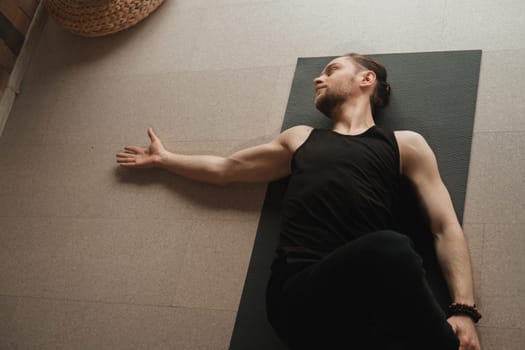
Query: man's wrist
{"points": [[469, 310], [467, 301], [162, 159]]}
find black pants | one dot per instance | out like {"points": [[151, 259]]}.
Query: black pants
{"points": [[368, 294]]}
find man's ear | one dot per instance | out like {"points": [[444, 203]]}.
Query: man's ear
{"points": [[368, 78]]}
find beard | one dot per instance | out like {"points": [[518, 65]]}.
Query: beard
{"points": [[327, 102]]}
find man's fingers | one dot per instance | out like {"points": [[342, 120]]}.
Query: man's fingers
{"points": [[134, 149], [152, 135], [126, 155], [126, 162], [453, 325]]}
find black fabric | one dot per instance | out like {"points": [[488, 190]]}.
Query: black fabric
{"points": [[341, 187], [433, 93], [356, 297]]}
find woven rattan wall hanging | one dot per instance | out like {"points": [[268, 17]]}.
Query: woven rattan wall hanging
{"points": [[92, 18]]}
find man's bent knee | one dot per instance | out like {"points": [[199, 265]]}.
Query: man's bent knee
{"points": [[394, 250]]}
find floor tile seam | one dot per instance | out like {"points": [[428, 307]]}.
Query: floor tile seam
{"points": [[232, 4], [239, 68], [164, 139], [87, 301], [93, 78], [444, 22], [502, 296], [180, 266], [485, 223], [513, 131], [502, 50], [189, 219], [244, 139], [167, 218], [496, 327], [482, 233], [482, 262], [23, 144], [119, 219], [190, 140]]}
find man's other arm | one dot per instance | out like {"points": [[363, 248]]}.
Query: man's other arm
{"points": [[263, 163], [419, 164]]}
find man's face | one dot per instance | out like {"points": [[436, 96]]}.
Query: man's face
{"points": [[336, 84]]}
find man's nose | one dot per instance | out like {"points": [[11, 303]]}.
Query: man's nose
{"points": [[317, 81]]}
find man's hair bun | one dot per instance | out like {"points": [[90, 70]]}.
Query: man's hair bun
{"points": [[381, 96]]}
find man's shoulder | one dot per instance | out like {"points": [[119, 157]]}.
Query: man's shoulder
{"points": [[295, 136], [407, 133], [413, 148], [409, 137], [298, 129]]}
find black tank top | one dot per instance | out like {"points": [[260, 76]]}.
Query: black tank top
{"points": [[341, 187]]}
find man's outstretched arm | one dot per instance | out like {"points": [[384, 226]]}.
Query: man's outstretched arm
{"points": [[420, 165], [262, 163]]}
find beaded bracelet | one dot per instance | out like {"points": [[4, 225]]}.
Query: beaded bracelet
{"points": [[464, 309]]}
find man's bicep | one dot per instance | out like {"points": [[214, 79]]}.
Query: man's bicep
{"points": [[436, 200], [422, 169], [263, 163]]}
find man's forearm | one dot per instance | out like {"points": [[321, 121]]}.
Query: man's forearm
{"points": [[454, 258], [203, 168]]}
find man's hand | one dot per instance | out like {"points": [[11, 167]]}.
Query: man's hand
{"points": [[464, 328], [140, 157]]}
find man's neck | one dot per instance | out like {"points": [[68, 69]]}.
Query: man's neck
{"points": [[352, 118]]}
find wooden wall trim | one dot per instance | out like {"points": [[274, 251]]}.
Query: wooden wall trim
{"points": [[12, 11], [7, 95]]}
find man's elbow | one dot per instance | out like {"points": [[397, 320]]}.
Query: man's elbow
{"points": [[224, 173], [446, 229], [221, 180]]}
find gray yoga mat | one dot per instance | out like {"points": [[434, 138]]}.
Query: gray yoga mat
{"points": [[433, 93]]}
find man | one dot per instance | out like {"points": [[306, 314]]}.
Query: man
{"points": [[343, 279]]}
